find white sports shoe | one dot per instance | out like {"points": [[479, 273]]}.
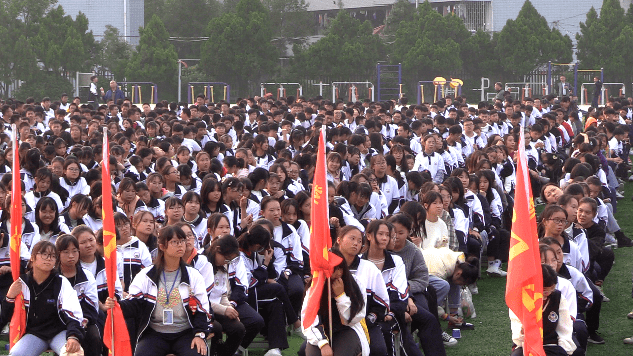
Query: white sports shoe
{"points": [[448, 339], [273, 352]]}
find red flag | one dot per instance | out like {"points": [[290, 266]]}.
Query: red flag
{"points": [[322, 261], [18, 320], [118, 340], [524, 288]]}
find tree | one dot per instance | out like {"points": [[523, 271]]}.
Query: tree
{"points": [[290, 19], [196, 15], [401, 11], [239, 48], [598, 36], [155, 59], [528, 42], [478, 56], [114, 53], [429, 45], [348, 51]]}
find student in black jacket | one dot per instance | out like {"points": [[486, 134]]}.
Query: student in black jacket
{"points": [[53, 313]]}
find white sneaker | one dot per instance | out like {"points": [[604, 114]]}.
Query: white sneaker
{"points": [[473, 288], [273, 352], [494, 269], [448, 340]]}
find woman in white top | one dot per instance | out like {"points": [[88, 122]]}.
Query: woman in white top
{"points": [[436, 230]]}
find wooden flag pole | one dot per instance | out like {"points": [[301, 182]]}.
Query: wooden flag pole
{"points": [[329, 306], [112, 323]]}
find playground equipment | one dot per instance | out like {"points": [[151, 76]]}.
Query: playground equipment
{"points": [[441, 88], [586, 92], [134, 90], [353, 92], [551, 82], [281, 89], [522, 90], [208, 91], [321, 85], [389, 85]]}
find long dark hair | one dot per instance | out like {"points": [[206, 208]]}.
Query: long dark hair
{"points": [[351, 290], [212, 223], [44, 203], [224, 245]]}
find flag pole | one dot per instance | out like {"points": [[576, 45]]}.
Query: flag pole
{"points": [[112, 324], [103, 163], [329, 306]]}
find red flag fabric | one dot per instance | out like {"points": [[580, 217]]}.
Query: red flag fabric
{"points": [[524, 288], [18, 320], [322, 261], [117, 339]]}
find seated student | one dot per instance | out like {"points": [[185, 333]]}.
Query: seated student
{"points": [[227, 319], [589, 299], [55, 326], [135, 254], [552, 224], [127, 198], [289, 269], [435, 230], [262, 291], [30, 231], [394, 275], [422, 304], [170, 302], [92, 260], [575, 232], [86, 288], [347, 195], [43, 179], [349, 242], [557, 331], [47, 220], [72, 181], [348, 334], [601, 258], [144, 227], [77, 209]]}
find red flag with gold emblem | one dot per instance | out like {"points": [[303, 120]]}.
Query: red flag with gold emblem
{"points": [[524, 288], [117, 339], [18, 320], [322, 261]]}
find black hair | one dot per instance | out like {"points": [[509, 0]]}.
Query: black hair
{"points": [[351, 290]]}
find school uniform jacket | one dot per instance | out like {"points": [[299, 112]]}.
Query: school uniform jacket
{"points": [[136, 256], [315, 334], [30, 232], [348, 214], [579, 236], [239, 282], [141, 301], [377, 296], [287, 236], [394, 275], [157, 208], [101, 281], [202, 265], [5, 260], [67, 304], [33, 197], [434, 163], [86, 287], [73, 188], [390, 189], [199, 226], [579, 282]]}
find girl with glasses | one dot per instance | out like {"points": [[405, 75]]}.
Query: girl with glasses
{"points": [[169, 303], [72, 180], [56, 326]]}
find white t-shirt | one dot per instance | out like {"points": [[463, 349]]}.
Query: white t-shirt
{"points": [[436, 234]]}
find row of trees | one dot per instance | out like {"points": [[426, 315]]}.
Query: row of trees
{"points": [[241, 41]]}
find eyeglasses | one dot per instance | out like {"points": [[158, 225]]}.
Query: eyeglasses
{"points": [[558, 221], [177, 242], [48, 256], [73, 169]]}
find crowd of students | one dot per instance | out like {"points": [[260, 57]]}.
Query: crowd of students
{"points": [[212, 210]]}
